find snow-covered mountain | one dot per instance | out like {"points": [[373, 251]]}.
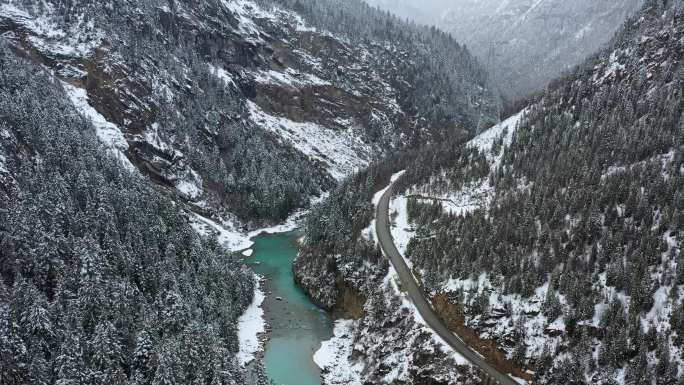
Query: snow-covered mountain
{"points": [[524, 43], [552, 242], [242, 111], [130, 128]]}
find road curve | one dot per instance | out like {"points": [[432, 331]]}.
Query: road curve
{"points": [[409, 284]]}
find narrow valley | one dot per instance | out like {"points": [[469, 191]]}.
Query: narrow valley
{"points": [[321, 192]]}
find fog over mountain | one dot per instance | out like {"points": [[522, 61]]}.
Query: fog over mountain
{"points": [[524, 43]]}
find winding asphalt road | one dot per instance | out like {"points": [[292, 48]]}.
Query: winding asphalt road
{"points": [[409, 284]]}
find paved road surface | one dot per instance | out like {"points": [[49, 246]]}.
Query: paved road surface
{"points": [[409, 284]]}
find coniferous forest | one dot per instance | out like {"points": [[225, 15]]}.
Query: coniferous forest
{"points": [[586, 203], [140, 142], [103, 281]]}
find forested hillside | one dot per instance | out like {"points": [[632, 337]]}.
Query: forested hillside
{"points": [[129, 126], [557, 234], [243, 111], [103, 281]]}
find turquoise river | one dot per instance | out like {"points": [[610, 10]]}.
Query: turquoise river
{"points": [[298, 326]]}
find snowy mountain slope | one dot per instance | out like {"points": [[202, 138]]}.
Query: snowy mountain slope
{"points": [[577, 191], [475, 194], [558, 247], [102, 279], [220, 103], [524, 43]]}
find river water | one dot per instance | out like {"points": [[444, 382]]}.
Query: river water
{"points": [[298, 326]]}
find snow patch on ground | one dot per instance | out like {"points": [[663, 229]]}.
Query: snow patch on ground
{"points": [[4, 134], [392, 279], [401, 229], [245, 12], [485, 141], [248, 12], [369, 232], [234, 239], [402, 233], [613, 68], [340, 150], [664, 159], [509, 310], [333, 357], [191, 185], [250, 325], [223, 75], [79, 39], [108, 133], [155, 140], [290, 78], [227, 235], [290, 224]]}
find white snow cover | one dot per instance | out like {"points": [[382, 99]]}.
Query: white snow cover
{"points": [[250, 325], [108, 133], [401, 229], [289, 78], [223, 75], [342, 151], [478, 194], [614, 67], [79, 40], [191, 185], [539, 330], [155, 140], [234, 239], [228, 236], [291, 223], [402, 232], [333, 356], [247, 12], [392, 279], [369, 232], [664, 159], [485, 140], [4, 134], [527, 309]]}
